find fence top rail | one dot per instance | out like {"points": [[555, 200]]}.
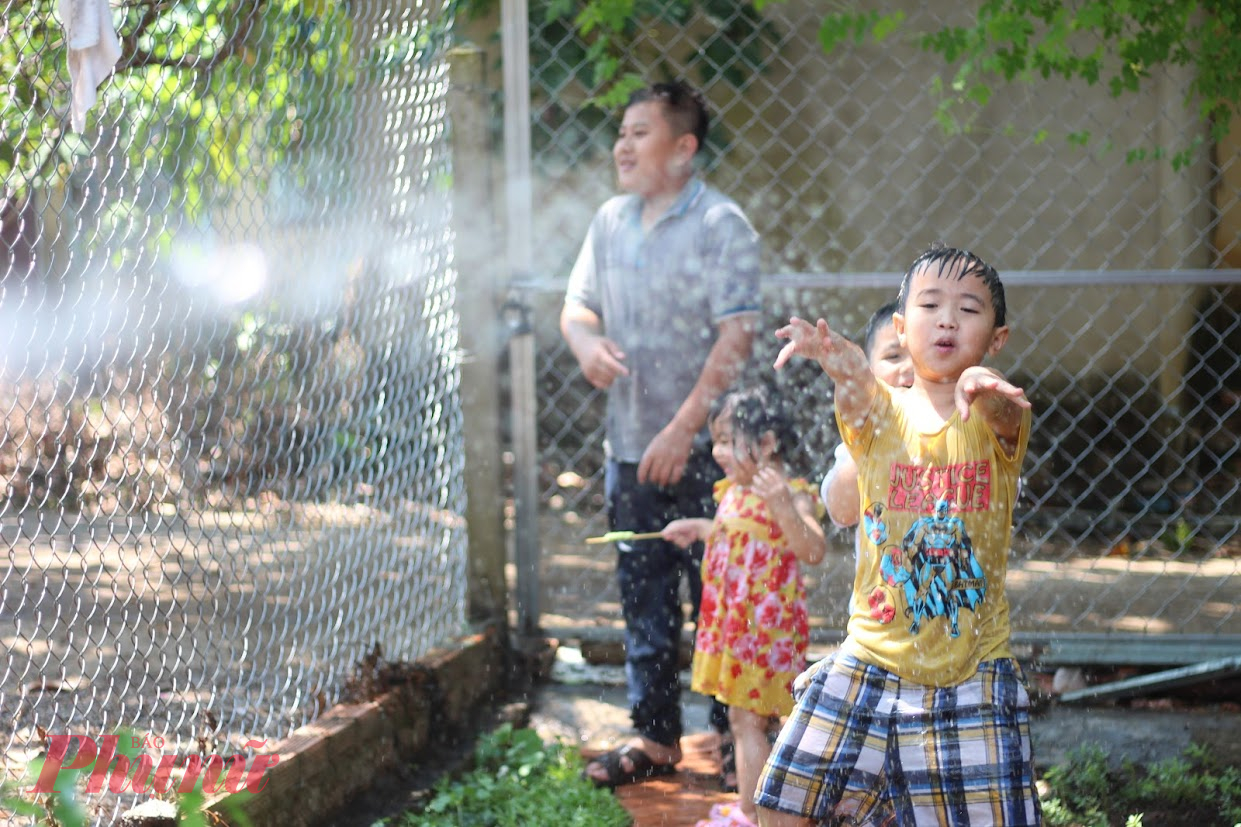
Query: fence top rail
{"points": [[1023, 278]]}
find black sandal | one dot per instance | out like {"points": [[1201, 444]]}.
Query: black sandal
{"points": [[642, 767]]}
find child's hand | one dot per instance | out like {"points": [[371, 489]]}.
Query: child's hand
{"points": [[806, 340], [840, 359], [687, 531], [663, 462], [979, 382], [770, 484], [793, 513]]}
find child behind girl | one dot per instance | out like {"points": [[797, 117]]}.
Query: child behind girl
{"points": [[890, 362], [753, 627]]}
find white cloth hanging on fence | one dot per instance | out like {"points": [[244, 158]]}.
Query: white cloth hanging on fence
{"points": [[93, 47]]}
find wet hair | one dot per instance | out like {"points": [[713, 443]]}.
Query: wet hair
{"points": [[947, 258], [878, 319], [753, 411], [684, 106]]}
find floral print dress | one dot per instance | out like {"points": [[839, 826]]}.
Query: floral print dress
{"points": [[753, 627]]}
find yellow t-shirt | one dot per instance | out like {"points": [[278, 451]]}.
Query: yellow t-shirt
{"points": [[937, 508]]}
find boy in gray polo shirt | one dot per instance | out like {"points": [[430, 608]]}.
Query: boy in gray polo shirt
{"points": [[661, 311]]}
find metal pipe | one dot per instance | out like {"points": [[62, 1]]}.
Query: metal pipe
{"points": [[515, 42], [525, 473], [1012, 278]]}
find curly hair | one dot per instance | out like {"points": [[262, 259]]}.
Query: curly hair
{"points": [[753, 411]]}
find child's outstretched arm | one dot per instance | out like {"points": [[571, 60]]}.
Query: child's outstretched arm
{"points": [[686, 531], [840, 359], [794, 513], [999, 402]]}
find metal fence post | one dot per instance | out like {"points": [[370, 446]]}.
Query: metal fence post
{"points": [[516, 57], [525, 471], [481, 342]]}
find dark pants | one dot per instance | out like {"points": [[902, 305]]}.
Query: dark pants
{"points": [[650, 574]]}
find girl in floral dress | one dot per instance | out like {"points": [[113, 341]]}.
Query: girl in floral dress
{"points": [[753, 626]]}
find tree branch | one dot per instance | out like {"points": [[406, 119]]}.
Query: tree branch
{"points": [[133, 57], [152, 12]]}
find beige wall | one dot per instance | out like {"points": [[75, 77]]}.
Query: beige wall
{"points": [[1228, 196]]}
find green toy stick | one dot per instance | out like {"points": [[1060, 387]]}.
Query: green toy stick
{"points": [[617, 536]]}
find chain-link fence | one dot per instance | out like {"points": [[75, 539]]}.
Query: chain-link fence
{"points": [[1129, 518], [228, 373], [1125, 313]]}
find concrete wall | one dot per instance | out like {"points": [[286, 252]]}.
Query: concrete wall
{"points": [[1228, 195]]}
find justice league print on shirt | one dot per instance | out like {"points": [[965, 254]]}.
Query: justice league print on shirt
{"points": [[932, 571], [967, 485]]}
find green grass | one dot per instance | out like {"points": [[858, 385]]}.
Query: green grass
{"points": [[516, 781], [1190, 789]]}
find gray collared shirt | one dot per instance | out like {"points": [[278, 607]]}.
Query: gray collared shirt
{"points": [[661, 295]]}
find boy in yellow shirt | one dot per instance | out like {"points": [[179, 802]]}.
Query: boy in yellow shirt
{"points": [[922, 717]]}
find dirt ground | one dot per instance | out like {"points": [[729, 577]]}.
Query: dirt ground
{"points": [[223, 626], [122, 621], [1058, 584]]}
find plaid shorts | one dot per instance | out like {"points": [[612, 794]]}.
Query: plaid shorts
{"points": [[864, 747]]}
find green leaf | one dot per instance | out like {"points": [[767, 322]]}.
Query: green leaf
{"points": [[947, 122], [620, 91], [979, 93], [605, 69], [886, 25], [837, 28]]}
